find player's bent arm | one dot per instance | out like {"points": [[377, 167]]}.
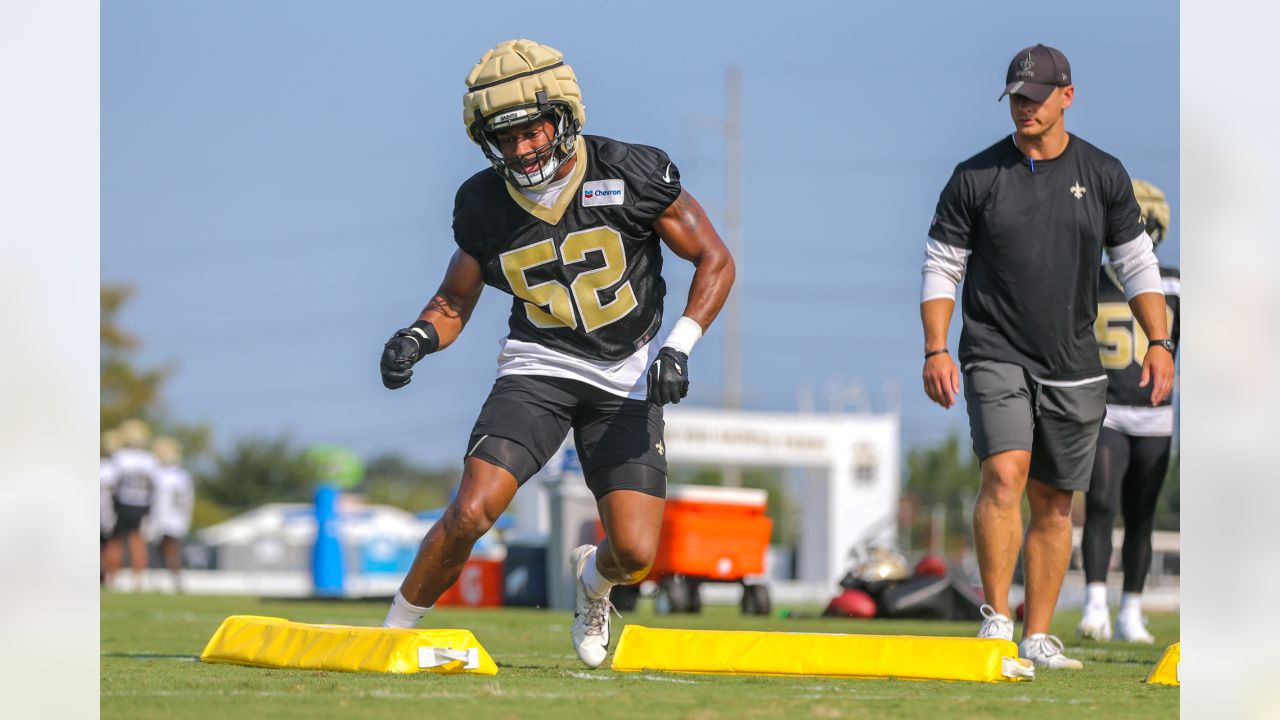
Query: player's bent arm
{"points": [[457, 296], [686, 229]]}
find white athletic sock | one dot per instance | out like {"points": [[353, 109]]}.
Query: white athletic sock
{"points": [[597, 585], [404, 614], [1131, 604], [1095, 595]]}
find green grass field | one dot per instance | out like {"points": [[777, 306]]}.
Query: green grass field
{"points": [[150, 645]]}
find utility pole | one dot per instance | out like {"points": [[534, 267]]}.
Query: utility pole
{"points": [[732, 476]]}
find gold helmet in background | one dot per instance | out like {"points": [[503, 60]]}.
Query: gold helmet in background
{"points": [[167, 450], [135, 433], [1155, 209], [520, 81], [112, 440]]}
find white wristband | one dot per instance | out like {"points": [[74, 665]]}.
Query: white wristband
{"points": [[684, 335]]}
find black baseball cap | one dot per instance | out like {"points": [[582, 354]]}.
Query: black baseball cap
{"points": [[1035, 71]]}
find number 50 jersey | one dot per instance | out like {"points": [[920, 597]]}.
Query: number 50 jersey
{"points": [[1123, 344], [586, 271]]}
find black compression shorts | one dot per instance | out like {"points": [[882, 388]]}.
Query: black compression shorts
{"points": [[535, 413]]}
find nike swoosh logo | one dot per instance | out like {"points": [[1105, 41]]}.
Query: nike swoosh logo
{"points": [[666, 176]]}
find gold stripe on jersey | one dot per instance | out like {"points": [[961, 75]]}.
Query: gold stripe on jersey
{"points": [[551, 215]]}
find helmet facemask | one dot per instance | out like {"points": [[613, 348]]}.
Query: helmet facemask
{"points": [[1154, 229], [1154, 210], [549, 157]]}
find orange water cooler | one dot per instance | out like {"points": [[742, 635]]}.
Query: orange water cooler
{"points": [[709, 534]]}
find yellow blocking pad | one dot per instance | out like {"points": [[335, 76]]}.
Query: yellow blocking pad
{"points": [[781, 653], [278, 643], [1166, 671]]}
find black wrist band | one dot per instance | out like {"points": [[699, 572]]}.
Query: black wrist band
{"points": [[424, 333], [939, 351]]}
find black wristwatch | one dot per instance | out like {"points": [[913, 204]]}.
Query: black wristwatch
{"points": [[1166, 343]]}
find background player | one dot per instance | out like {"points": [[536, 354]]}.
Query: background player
{"points": [[134, 471], [171, 505], [571, 225], [111, 442], [1133, 446]]}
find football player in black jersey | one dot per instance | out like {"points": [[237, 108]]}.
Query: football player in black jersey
{"points": [[570, 225], [1133, 446]]}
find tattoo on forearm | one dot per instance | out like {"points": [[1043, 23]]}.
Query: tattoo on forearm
{"points": [[446, 307]]}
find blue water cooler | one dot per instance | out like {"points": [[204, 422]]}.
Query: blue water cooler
{"points": [[326, 558]]}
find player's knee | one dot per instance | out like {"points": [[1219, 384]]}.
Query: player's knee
{"points": [[1050, 508], [467, 519], [634, 558], [1002, 491], [1099, 507], [1003, 481]]}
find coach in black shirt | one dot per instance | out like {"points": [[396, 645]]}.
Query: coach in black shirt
{"points": [[1028, 219]]}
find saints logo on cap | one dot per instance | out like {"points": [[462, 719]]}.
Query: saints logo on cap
{"points": [[1035, 71], [1027, 63]]}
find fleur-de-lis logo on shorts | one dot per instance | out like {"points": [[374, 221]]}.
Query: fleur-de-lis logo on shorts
{"points": [[661, 450], [1078, 190]]}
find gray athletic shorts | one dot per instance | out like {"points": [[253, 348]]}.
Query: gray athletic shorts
{"points": [[1009, 410]]}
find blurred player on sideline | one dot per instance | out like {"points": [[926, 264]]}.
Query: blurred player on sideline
{"points": [[134, 469], [1134, 444], [171, 505], [572, 226], [1028, 219], [111, 442]]}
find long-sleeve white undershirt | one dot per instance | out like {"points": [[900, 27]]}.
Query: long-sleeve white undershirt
{"points": [[1135, 263]]}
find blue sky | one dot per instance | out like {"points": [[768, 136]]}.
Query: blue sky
{"points": [[277, 181]]}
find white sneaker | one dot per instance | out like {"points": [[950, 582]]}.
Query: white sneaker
{"points": [[995, 625], [590, 628], [1133, 629], [1046, 651], [1096, 623]]}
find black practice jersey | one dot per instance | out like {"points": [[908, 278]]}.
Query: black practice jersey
{"points": [[1121, 342], [586, 274], [1036, 232]]}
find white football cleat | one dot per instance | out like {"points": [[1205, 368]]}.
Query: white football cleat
{"points": [[1132, 628], [1046, 652], [995, 625], [1096, 623], [590, 629]]}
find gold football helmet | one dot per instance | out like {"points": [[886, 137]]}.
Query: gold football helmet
{"points": [[1155, 209], [517, 82], [167, 451], [135, 433], [112, 440]]}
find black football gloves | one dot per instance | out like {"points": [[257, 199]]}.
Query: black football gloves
{"points": [[668, 377], [405, 348]]}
